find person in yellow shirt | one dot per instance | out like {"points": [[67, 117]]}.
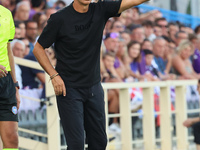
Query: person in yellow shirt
{"points": [[9, 95]]}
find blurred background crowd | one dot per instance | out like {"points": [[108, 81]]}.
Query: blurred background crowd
{"points": [[136, 47]]}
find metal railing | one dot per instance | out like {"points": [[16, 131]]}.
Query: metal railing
{"points": [[125, 115]]}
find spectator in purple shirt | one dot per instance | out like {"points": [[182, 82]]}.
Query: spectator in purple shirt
{"points": [[196, 58], [181, 62], [196, 61], [133, 59], [147, 44]]}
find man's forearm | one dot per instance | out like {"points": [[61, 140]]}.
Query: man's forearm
{"points": [[42, 58], [126, 4], [195, 120], [12, 63]]}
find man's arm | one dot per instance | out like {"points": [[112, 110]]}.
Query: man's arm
{"points": [[126, 4], [41, 77], [12, 66], [44, 61], [190, 121]]}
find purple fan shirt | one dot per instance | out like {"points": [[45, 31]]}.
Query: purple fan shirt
{"points": [[196, 61]]}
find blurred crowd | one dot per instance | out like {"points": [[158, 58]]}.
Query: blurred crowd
{"points": [[136, 47]]}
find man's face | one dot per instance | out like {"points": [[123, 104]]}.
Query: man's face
{"points": [[138, 35], [172, 31], [32, 31], [135, 15], [159, 47], [17, 33], [112, 44], [118, 27], [121, 48], [148, 30], [157, 31], [23, 13], [148, 59], [126, 37], [18, 50], [23, 29], [163, 24], [27, 47]]}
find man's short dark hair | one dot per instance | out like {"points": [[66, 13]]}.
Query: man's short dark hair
{"points": [[29, 21], [135, 26], [172, 24], [147, 23], [160, 19], [147, 52], [146, 40], [17, 23]]}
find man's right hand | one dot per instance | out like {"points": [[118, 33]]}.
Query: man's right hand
{"points": [[59, 86], [3, 71]]}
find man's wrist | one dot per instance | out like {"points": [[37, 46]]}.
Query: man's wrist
{"points": [[16, 85]]}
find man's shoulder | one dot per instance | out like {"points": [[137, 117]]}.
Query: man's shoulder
{"points": [[158, 58]]}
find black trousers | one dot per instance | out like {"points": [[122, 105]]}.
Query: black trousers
{"points": [[83, 109], [196, 131]]}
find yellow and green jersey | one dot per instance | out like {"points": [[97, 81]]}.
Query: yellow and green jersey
{"points": [[7, 32]]}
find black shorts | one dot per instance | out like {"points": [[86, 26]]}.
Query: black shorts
{"points": [[8, 103]]}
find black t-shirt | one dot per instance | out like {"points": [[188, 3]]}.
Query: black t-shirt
{"points": [[77, 37]]}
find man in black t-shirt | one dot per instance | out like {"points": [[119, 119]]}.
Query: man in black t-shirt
{"points": [[77, 33]]}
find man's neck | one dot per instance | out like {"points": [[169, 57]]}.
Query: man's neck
{"points": [[80, 7]]}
